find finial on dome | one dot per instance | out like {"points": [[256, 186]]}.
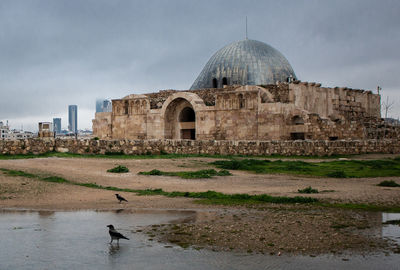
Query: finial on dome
{"points": [[246, 27]]}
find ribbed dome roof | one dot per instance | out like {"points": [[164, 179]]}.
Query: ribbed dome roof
{"points": [[245, 62]]}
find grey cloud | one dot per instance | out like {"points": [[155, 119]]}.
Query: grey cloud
{"points": [[58, 52]]}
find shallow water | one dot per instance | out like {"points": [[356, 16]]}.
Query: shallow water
{"points": [[80, 240]]}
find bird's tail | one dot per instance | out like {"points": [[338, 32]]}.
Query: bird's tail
{"points": [[125, 238]]}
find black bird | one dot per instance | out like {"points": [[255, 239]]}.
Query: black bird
{"points": [[120, 198], [114, 234]]}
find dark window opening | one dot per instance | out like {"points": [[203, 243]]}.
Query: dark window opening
{"points": [[214, 83], [224, 81], [241, 101], [187, 115], [126, 107], [297, 120], [297, 136], [333, 138]]}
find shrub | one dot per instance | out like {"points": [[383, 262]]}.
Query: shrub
{"points": [[388, 183], [308, 190], [119, 169], [337, 174], [96, 138], [190, 174], [224, 173], [155, 172]]}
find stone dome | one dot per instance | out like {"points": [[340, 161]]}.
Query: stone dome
{"points": [[245, 62]]}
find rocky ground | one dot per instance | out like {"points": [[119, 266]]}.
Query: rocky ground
{"points": [[264, 228]]}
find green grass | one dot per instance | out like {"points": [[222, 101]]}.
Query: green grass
{"points": [[211, 197], [388, 183], [338, 169], [189, 174], [308, 190], [119, 169]]}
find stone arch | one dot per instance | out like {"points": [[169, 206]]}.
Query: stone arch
{"points": [[179, 114]]}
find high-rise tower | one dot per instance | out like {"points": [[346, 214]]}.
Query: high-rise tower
{"points": [[57, 125], [73, 118]]}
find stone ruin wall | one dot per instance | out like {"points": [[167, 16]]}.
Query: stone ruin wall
{"points": [[211, 147], [254, 113]]}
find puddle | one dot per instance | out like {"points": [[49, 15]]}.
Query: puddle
{"points": [[79, 240], [391, 231]]}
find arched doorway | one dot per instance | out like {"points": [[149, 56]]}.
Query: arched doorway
{"points": [[187, 122], [180, 120]]}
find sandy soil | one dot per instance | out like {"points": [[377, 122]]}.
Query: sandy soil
{"points": [[266, 228]]}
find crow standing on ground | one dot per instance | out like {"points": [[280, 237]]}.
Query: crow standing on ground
{"points": [[120, 198], [114, 234]]}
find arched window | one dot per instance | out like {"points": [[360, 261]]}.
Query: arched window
{"points": [[224, 81], [241, 101], [126, 107], [215, 83], [187, 115], [297, 120]]}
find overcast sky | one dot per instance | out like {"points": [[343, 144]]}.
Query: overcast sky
{"points": [[59, 52]]}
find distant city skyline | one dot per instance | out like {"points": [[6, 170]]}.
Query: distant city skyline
{"points": [[55, 53]]}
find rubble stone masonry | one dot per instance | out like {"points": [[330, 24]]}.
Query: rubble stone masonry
{"points": [[212, 147]]}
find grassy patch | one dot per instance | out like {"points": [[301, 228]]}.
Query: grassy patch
{"points": [[189, 174], [119, 169], [337, 169], [18, 173], [308, 190], [221, 198], [388, 183], [211, 197], [55, 179]]}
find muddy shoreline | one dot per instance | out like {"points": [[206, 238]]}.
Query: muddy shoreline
{"points": [[264, 228]]}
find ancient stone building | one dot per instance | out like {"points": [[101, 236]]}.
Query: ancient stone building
{"points": [[246, 91]]}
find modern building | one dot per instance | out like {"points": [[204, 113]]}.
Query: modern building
{"points": [[103, 105], [57, 125], [4, 130], [20, 135], [107, 105], [13, 134], [246, 91], [73, 118]]}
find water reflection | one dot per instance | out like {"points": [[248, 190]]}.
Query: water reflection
{"points": [[113, 249], [391, 231], [45, 214], [80, 240]]}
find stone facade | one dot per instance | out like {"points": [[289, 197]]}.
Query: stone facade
{"points": [[211, 147], [282, 111]]}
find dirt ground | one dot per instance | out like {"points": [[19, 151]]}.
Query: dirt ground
{"points": [[264, 228]]}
